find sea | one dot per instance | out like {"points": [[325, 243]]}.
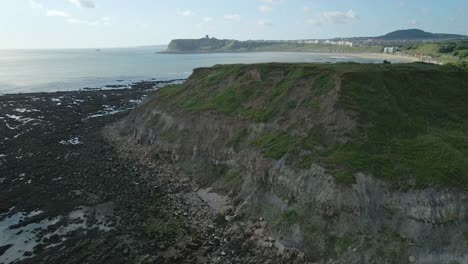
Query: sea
{"points": [[24, 71]]}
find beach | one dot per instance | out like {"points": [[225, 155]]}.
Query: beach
{"points": [[401, 58]]}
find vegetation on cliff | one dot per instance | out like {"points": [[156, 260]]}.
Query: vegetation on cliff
{"points": [[405, 123], [206, 45], [453, 52]]}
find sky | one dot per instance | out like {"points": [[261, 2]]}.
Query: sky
{"points": [[26, 24]]}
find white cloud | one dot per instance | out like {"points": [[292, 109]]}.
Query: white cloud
{"points": [[101, 21], [83, 3], [83, 22], [35, 4], [264, 23], [207, 19], [334, 17], [306, 9], [233, 17], [265, 8], [184, 12], [57, 13]]}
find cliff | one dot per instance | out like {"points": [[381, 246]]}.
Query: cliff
{"points": [[205, 45], [200, 45], [359, 163]]}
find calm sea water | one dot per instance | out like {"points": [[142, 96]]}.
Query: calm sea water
{"points": [[60, 70]]}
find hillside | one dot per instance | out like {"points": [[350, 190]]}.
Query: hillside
{"points": [[372, 149], [361, 44], [208, 45], [453, 52], [417, 34], [200, 45]]}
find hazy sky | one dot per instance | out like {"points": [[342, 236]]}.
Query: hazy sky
{"points": [[114, 23]]}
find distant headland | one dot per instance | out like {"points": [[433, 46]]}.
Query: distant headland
{"points": [[353, 44]]}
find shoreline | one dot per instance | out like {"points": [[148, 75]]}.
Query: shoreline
{"points": [[121, 84], [383, 56], [72, 188], [57, 176], [364, 55], [116, 85]]}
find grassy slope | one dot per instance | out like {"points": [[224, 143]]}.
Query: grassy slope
{"points": [[459, 57], [209, 45], [413, 126], [413, 119]]}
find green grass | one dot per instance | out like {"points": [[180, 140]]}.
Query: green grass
{"points": [[233, 180], [300, 215], [171, 135], [452, 52], [412, 125], [275, 144], [336, 245], [241, 97], [290, 217], [344, 177], [170, 90], [412, 118], [161, 223]]}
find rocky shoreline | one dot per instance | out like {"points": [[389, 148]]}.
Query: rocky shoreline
{"points": [[72, 190]]}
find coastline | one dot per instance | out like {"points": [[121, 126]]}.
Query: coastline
{"points": [[383, 56], [404, 58], [76, 189]]}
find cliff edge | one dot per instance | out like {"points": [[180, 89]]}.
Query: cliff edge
{"points": [[359, 163]]}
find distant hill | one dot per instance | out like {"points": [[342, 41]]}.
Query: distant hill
{"points": [[212, 45], [198, 45], [418, 34], [359, 44], [208, 45]]}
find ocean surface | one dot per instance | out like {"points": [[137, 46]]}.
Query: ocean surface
{"points": [[62, 70]]}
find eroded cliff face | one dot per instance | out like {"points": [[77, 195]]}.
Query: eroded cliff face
{"points": [[366, 220]]}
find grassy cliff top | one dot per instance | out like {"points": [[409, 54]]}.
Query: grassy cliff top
{"points": [[405, 123]]}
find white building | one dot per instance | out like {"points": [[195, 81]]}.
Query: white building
{"points": [[390, 50], [340, 43], [345, 43]]}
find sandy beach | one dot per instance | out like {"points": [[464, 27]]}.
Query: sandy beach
{"points": [[382, 56]]}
